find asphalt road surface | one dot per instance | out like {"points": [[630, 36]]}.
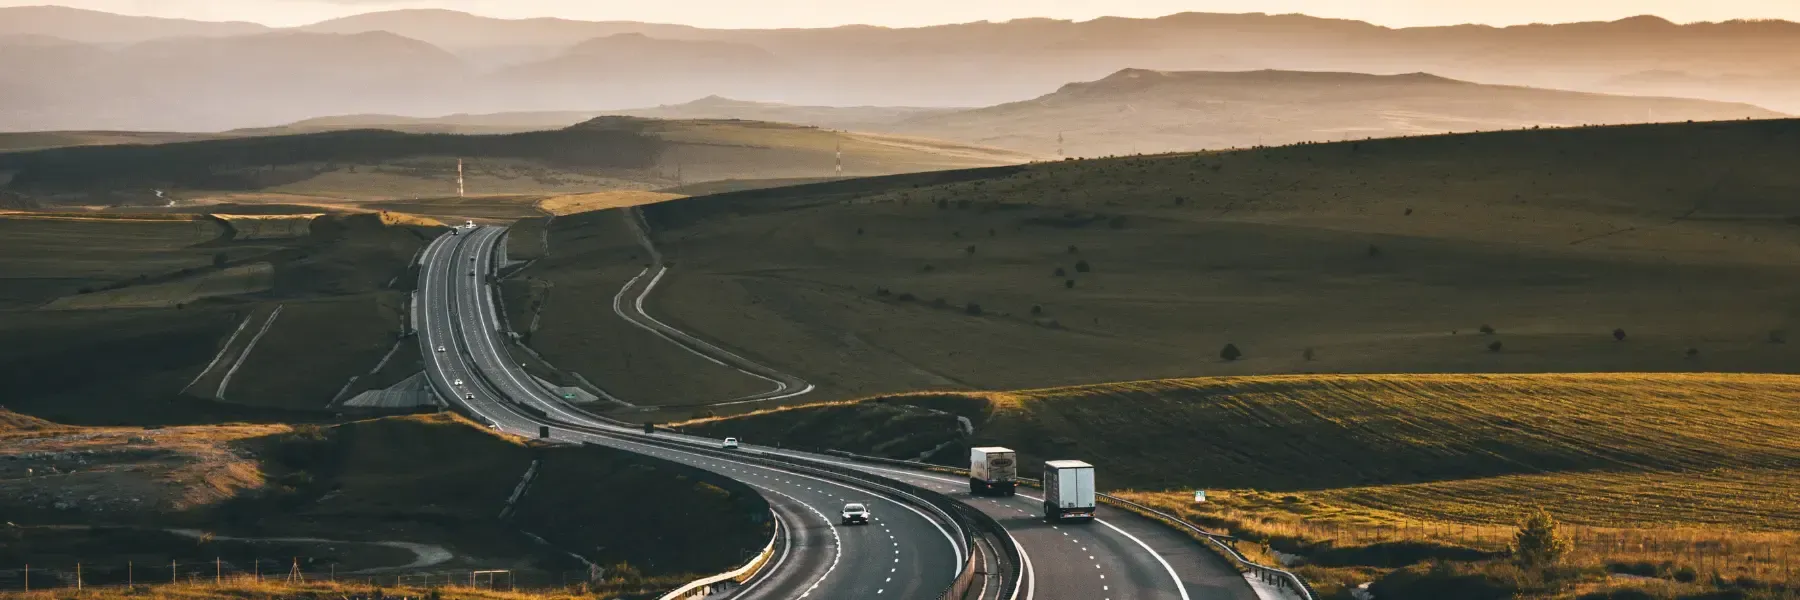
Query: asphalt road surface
{"points": [[900, 554]]}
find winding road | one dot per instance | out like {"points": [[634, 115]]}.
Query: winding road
{"points": [[902, 554]]}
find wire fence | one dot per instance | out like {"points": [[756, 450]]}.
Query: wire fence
{"points": [[81, 575]]}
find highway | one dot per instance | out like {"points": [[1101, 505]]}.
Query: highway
{"points": [[901, 554]]}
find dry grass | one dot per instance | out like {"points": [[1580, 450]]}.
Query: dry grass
{"points": [[269, 227], [114, 473], [275, 590], [231, 281], [1364, 473], [574, 203]]}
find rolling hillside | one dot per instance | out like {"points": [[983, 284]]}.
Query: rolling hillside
{"points": [[608, 153], [1138, 110], [137, 319], [1382, 256]]}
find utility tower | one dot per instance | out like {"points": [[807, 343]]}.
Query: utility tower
{"points": [[1059, 146], [459, 178], [840, 159]]}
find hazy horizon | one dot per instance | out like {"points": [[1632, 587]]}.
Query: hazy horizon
{"points": [[813, 13]]}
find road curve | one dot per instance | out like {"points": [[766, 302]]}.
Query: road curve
{"points": [[1120, 555], [902, 554]]}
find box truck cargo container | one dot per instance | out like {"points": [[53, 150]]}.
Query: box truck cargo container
{"points": [[1068, 490], [992, 470]]}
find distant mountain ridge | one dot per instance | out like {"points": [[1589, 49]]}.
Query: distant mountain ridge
{"points": [[565, 65], [1142, 110]]}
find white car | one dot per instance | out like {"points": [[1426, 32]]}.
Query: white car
{"points": [[468, 396], [457, 382], [856, 514], [440, 348], [729, 444]]}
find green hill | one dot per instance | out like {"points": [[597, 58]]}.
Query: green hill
{"points": [[1386, 256]]}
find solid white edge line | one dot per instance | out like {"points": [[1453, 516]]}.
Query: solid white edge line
{"points": [[1030, 571], [1165, 564], [493, 354], [769, 570]]}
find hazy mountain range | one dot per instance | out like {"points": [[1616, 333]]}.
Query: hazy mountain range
{"points": [[1137, 110], [72, 69]]}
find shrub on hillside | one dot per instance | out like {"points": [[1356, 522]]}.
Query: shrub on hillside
{"points": [[939, 303], [1074, 250], [972, 309], [1230, 352], [1374, 251], [1037, 309], [1539, 543], [1495, 346], [1081, 266], [883, 292], [1487, 329], [1059, 273], [1307, 354], [906, 297], [1619, 335], [1693, 353], [969, 250], [1069, 284]]}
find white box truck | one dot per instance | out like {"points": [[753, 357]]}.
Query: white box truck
{"points": [[1068, 490], [993, 470]]}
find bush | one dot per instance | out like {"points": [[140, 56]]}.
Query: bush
{"points": [[972, 309], [1619, 335], [1495, 346], [1060, 273], [1082, 266], [906, 297], [1487, 329], [1374, 251], [1693, 352], [1037, 309], [1538, 543], [1686, 574], [859, 231], [1307, 354], [883, 292], [943, 203], [927, 268], [1069, 284], [1230, 352], [969, 250], [939, 303], [1074, 250]]}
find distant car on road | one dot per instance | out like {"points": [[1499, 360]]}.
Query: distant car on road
{"points": [[457, 382], [729, 444], [440, 348], [856, 514], [469, 396], [471, 272]]}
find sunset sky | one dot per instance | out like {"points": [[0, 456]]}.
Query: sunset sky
{"points": [[819, 13]]}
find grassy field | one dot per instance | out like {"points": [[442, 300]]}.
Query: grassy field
{"points": [[1380, 256], [592, 256], [1644, 467], [356, 167], [574, 203], [160, 294], [437, 480]]}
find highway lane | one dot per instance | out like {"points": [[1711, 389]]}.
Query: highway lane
{"points": [[901, 555], [1121, 555]]}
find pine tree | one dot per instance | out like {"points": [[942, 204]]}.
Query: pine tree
{"points": [[1538, 543]]}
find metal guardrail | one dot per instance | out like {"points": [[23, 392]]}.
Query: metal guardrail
{"points": [[702, 587], [968, 521], [965, 519], [1287, 580]]}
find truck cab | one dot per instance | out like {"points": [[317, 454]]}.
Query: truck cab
{"points": [[993, 470], [1068, 491]]}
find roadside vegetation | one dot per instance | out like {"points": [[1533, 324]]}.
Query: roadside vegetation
{"points": [[438, 483], [1674, 477]]}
